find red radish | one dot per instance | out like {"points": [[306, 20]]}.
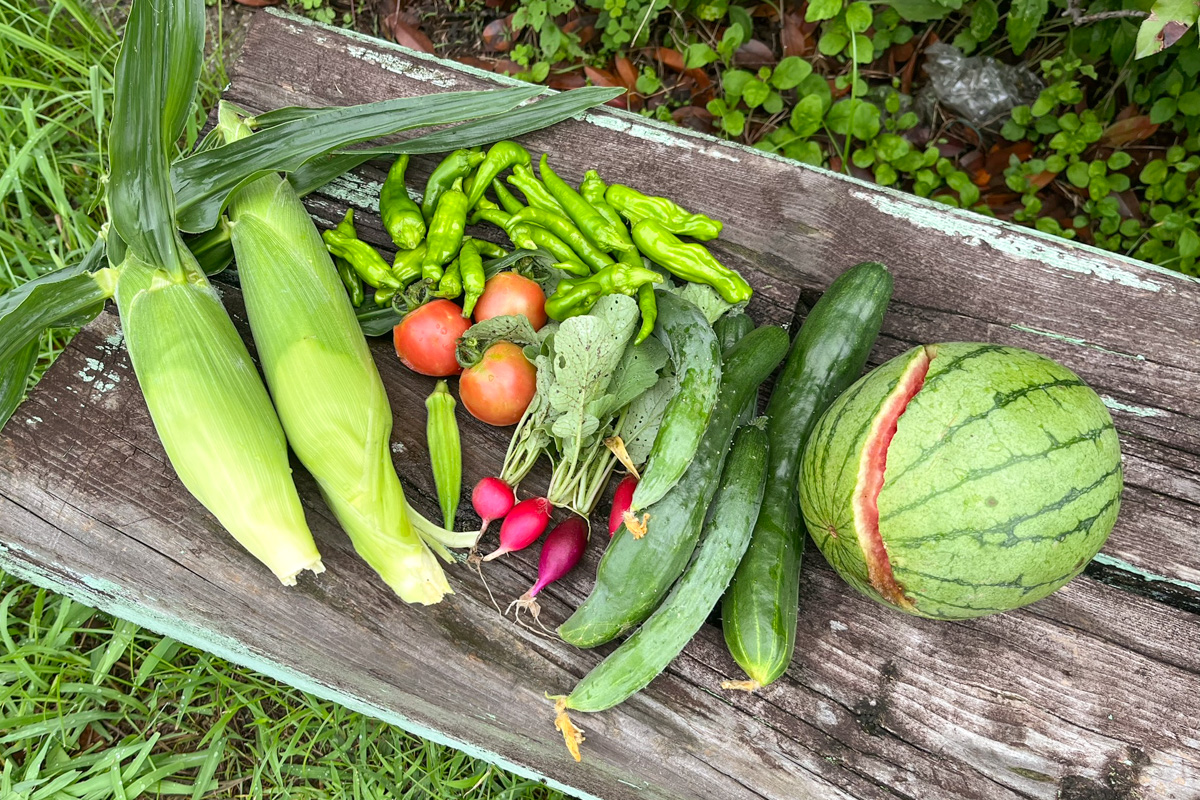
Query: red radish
{"points": [[522, 526], [492, 499], [561, 551], [621, 502]]}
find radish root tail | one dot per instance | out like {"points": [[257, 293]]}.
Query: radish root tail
{"points": [[636, 526], [742, 686], [572, 735]]}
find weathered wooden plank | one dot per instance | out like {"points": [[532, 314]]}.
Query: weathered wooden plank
{"points": [[1080, 696], [877, 705], [1130, 330]]}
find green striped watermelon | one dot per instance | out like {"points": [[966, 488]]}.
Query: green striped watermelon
{"points": [[962, 479]]}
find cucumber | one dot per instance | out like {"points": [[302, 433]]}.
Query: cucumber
{"points": [[635, 573], [693, 346], [653, 646], [731, 328], [758, 613]]}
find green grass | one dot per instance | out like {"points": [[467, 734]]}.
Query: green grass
{"points": [[92, 706]]}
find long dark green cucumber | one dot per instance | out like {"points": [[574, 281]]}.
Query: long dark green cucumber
{"points": [[758, 612], [697, 356], [660, 638], [635, 574]]}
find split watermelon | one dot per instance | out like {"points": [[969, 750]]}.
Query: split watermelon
{"points": [[962, 479]]}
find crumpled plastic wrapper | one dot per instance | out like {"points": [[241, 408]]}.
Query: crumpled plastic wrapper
{"points": [[979, 89]]}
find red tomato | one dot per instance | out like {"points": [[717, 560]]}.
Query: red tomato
{"points": [[508, 293], [425, 338], [498, 389]]}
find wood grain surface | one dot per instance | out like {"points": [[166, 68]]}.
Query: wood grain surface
{"points": [[1091, 693]]}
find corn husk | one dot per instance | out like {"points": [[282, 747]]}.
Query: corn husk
{"points": [[325, 385], [213, 415]]}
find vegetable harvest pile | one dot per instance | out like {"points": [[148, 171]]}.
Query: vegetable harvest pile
{"points": [[954, 481]]}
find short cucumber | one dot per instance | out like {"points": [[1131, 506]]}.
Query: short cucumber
{"points": [[697, 356], [660, 638], [635, 574], [758, 612], [731, 328]]}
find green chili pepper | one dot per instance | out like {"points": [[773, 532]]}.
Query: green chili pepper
{"points": [[470, 266], [489, 249], [689, 261], [450, 286], [445, 232], [495, 216], [536, 193], [445, 450], [453, 167], [636, 207], [384, 296], [567, 259], [564, 229], [574, 296], [346, 226], [508, 201], [406, 266], [594, 226], [365, 260], [500, 157], [521, 234], [592, 187], [350, 280], [649, 308], [401, 215]]}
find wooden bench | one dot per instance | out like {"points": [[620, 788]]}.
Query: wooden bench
{"points": [[1092, 693]]}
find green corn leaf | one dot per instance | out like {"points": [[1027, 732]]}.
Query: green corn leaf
{"points": [[66, 298], [545, 112], [204, 180], [14, 374], [1024, 19], [154, 85]]}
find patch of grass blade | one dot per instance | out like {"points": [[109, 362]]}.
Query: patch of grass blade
{"points": [[95, 707]]}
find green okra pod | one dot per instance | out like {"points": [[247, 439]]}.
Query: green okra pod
{"points": [[445, 450], [401, 215]]}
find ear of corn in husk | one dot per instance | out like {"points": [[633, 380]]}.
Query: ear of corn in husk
{"points": [[212, 412], [324, 382]]}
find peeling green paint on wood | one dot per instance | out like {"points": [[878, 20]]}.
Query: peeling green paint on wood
{"points": [[1146, 575], [1141, 411], [1077, 341]]}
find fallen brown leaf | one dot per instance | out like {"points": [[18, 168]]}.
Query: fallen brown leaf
{"points": [[257, 3], [401, 24], [497, 35], [754, 54], [1128, 131]]}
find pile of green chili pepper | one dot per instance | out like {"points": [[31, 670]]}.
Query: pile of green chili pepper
{"points": [[599, 234]]}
